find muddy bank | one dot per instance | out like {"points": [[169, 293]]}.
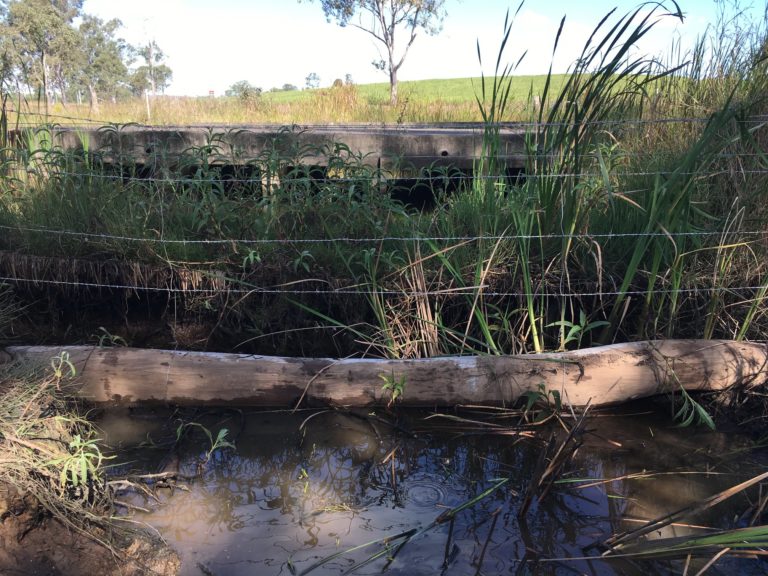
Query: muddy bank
{"points": [[32, 542], [57, 511]]}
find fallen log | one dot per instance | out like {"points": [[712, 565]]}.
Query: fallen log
{"points": [[603, 375]]}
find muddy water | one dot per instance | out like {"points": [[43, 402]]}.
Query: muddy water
{"points": [[298, 488]]}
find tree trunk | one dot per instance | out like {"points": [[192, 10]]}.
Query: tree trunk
{"points": [[94, 99], [45, 82], [600, 376], [392, 85]]}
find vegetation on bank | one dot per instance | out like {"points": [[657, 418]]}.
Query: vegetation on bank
{"points": [[640, 216], [53, 474], [430, 101]]}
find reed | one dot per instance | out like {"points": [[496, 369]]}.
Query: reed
{"points": [[624, 220]]}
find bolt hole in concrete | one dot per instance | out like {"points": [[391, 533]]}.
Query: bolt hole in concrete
{"points": [[299, 488]]}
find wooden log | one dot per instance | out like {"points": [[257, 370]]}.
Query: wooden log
{"points": [[602, 375]]}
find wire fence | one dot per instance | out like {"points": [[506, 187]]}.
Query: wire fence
{"points": [[347, 291], [756, 234], [479, 126], [423, 179], [746, 291]]}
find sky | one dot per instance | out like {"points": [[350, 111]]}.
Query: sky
{"points": [[211, 45]]}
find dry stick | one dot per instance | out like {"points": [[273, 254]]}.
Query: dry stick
{"points": [[480, 286], [561, 457], [668, 519], [535, 480], [495, 516], [132, 507], [317, 374], [544, 475], [759, 509], [30, 445], [687, 564], [446, 554], [714, 559]]}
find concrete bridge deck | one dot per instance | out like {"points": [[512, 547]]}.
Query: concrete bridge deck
{"points": [[392, 147]]}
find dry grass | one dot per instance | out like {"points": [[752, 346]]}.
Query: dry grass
{"points": [[48, 450]]}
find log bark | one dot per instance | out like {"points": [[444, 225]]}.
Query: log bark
{"points": [[602, 375]]}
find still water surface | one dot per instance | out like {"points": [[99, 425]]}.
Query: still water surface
{"points": [[300, 487]]}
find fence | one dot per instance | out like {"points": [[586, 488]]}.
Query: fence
{"points": [[714, 265]]}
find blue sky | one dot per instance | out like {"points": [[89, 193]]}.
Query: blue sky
{"points": [[211, 45]]}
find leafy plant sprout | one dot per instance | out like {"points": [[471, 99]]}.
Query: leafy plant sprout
{"points": [[395, 386], [219, 442]]}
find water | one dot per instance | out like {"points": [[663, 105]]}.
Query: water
{"points": [[301, 487]]}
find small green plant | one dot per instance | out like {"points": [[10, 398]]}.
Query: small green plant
{"points": [[81, 468], [548, 402], [302, 261], [62, 368], [692, 413], [304, 478], [576, 331], [251, 259], [217, 443], [395, 387], [106, 339]]}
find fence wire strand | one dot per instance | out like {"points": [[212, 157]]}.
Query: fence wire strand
{"points": [[341, 126], [466, 291], [377, 239]]}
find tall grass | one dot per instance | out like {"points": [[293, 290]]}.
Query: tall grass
{"points": [[623, 221], [422, 101]]}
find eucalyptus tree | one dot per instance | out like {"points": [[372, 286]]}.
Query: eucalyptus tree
{"points": [[102, 58], [153, 75], [385, 20], [40, 32]]}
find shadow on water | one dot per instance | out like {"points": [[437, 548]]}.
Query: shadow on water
{"points": [[299, 488]]}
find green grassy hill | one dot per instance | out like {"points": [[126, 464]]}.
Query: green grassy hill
{"points": [[442, 89]]}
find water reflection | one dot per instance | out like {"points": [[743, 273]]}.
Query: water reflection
{"points": [[301, 488]]}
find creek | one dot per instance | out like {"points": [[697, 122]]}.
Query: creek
{"points": [[300, 487]]}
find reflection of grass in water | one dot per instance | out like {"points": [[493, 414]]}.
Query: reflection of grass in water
{"points": [[339, 507], [749, 540], [328, 495], [391, 545]]}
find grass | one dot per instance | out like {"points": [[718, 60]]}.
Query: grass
{"points": [[50, 451], [628, 225], [421, 101]]}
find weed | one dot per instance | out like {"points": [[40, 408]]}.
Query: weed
{"points": [[576, 331], [548, 402], [50, 452], [220, 442], [81, 468], [304, 479], [106, 339], [395, 386], [62, 367]]}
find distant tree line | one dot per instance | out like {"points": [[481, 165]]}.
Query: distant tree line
{"points": [[53, 50]]}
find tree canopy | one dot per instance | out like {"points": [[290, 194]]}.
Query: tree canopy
{"points": [[385, 20], [53, 49]]}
